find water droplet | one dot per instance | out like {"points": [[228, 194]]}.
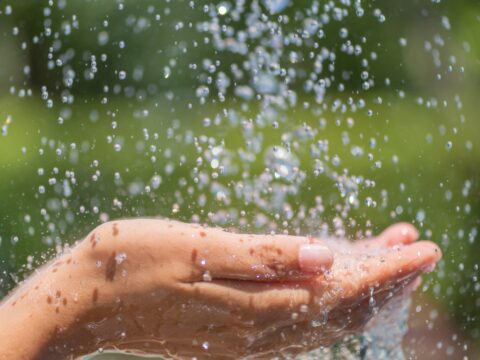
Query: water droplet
{"points": [[276, 6], [206, 276], [420, 217], [120, 258], [202, 91]]}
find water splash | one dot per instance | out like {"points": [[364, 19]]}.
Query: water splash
{"points": [[261, 115]]}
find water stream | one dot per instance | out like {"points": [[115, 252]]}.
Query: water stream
{"points": [[333, 118]]}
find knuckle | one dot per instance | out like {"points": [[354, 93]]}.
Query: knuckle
{"points": [[99, 239]]}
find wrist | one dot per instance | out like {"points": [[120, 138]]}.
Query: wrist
{"points": [[46, 308], [36, 311]]}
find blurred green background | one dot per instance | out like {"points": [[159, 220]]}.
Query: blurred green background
{"points": [[434, 184]]}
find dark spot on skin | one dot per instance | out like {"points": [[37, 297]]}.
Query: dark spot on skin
{"points": [[36, 287], [49, 299], [279, 251], [54, 270], [268, 256], [115, 231], [111, 267], [64, 301], [194, 255], [58, 293], [14, 303], [92, 240], [69, 261], [241, 240], [203, 233], [57, 309], [251, 251], [95, 295]]}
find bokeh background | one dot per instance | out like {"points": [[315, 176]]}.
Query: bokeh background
{"points": [[426, 131]]}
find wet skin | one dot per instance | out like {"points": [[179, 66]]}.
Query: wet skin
{"points": [[159, 286]]}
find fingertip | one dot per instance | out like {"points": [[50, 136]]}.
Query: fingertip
{"points": [[314, 258], [431, 251], [437, 251], [403, 262], [401, 233], [416, 284], [432, 255], [412, 285], [421, 256], [408, 232]]}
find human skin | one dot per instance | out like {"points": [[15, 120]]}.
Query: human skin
{"points": [[184, 290]]}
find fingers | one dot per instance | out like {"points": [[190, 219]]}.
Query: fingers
{"points": [[402, 263], [252, 298], [401, 233], [263, 257]]}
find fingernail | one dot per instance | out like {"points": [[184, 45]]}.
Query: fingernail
{"points": [[411, 287], [429, 268], [416, 283], [315, 257]]}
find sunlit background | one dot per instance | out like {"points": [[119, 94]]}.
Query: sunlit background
{"points": [[113, 109]]}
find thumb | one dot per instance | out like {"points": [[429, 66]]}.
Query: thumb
{"points": [[264, 257]]}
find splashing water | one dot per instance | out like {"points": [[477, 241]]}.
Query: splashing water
{"points": [[264, 116]]}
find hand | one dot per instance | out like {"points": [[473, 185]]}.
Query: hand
{"points": [[365, 276], [165, 287]]}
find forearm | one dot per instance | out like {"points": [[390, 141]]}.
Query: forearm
{"points": [[52, 315], [27, 323]]}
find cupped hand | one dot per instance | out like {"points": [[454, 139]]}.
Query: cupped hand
{"points": [[182, 290]]}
